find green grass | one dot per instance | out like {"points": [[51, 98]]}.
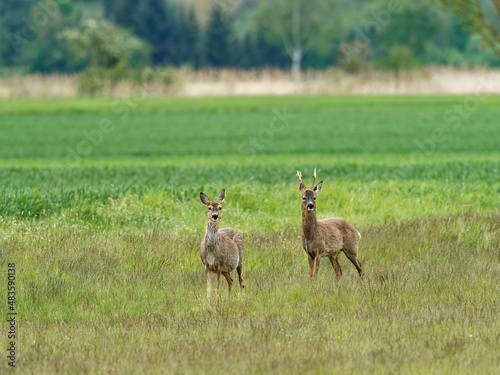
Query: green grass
{"points": [[106, 242], [324, 126]]}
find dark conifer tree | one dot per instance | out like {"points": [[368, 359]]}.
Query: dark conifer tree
{"points": [[156, 21], [191, 38], [270, 55], [17, 28], [153, 23], [217, 36]]}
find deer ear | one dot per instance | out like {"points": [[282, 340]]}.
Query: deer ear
{"points": [[222, 196], [302, 188], [204, 199], [318, 187]]}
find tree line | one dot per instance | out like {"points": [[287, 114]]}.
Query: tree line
{"points": [[65, 36]]}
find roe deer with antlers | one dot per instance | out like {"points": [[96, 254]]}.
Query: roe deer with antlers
{"points": [[221, 249], [327, 237]]}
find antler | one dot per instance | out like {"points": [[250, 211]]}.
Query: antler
{"points": [[314, 179], [300, 176], [303, 186]]}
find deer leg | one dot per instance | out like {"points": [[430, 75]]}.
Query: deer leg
{"points": [[240, 269], [229, 285], [209, 285], [353, 257], [217, 291], [310, 259], [336, 267], [316, 265]]}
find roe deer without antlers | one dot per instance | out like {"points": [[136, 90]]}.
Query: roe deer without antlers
{"points": [[221, 249], [327, 237]]}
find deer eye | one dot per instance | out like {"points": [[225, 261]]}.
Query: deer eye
{"points": [[314, 198], [303, 198], [210, 208]]}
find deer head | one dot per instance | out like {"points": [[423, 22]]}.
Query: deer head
{"points": [[309, 195], [214, 208]]}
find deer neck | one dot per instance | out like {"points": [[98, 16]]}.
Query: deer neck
{"points": [[212, 233], [309, 223]]}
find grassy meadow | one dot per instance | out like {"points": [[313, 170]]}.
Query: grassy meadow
{"points": [[100, 211]]}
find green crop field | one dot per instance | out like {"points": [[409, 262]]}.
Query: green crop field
{"points": [[100, 212]]}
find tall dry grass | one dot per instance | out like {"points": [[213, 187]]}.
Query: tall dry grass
{"points": [[230, 82]]}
